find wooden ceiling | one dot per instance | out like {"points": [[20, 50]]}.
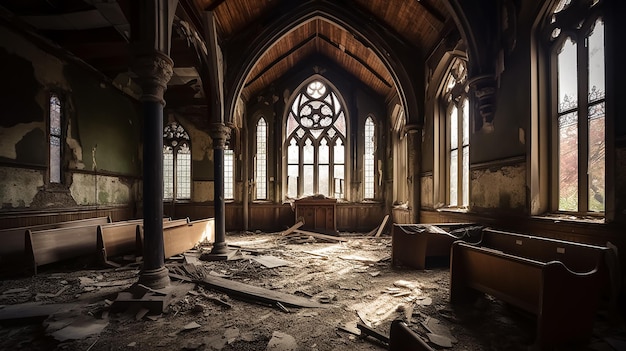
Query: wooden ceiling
{"points": [[97, 32]]}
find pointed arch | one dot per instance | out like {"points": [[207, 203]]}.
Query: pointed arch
{"points": [[374, 37], [315, 135], [369, 169]]}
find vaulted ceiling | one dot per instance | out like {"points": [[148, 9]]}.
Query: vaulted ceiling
{"points": [[98, 32]]}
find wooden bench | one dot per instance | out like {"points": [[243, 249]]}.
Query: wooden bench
{"points": [[13, 243], [53, 245], [120, 238], [178, 239], [412, 244], [182, 235], [557, 281], [13, 249]]}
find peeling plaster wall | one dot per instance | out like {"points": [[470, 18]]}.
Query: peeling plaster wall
{"points": [[19, 186], [502, 188], [101, 127], [426, 190], [202, 191], [89, 189]]}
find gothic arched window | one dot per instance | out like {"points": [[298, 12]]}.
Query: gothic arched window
{"points": [[577, 64], [315, 142], [457, 119], [176, 163], [369, 159], [261, 160]]}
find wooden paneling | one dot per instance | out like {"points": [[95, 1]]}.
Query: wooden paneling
{"points": [[403, 216], [12, 219], [270, 217], [359, 217]]}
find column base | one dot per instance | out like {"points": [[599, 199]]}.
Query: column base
{"points": [[221, 255], [155, 278]]}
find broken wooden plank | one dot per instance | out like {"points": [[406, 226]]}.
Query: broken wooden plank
{"points": [[251, 292], [382, 226], [31, 310], [321, 236], [365, 330], [293, 228], [270, 261]]}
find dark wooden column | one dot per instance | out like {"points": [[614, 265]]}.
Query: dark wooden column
{"points": [[154, 70], [220, 134], [414, 150]]}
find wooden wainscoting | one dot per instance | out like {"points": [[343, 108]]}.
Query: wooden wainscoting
{"points": [[25, 218], [359, 216]]}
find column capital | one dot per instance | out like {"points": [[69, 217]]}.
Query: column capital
{"points": [[220, 133], [484, 88], [154, 69], [412, 128]]}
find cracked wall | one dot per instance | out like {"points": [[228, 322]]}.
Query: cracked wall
{"points": [[499, 188]]}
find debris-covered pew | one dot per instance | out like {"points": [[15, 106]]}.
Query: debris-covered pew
{"points": [[13, 249], [182, 235], [557, 281], [412, 244], [120, 238], [46, 246]]}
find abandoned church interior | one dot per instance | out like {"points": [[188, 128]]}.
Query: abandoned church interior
{"points": [[312, 175]]}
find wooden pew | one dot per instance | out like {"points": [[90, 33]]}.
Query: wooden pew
{"points": [[120, 238], [557, 281], [53, 245], [13, 247], [412, 244], [178, 239], [182, 235]]}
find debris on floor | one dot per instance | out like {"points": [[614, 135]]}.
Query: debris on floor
{"points": [[280, 294]]}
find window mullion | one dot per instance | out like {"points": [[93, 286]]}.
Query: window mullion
{"points": [[583, 127]]}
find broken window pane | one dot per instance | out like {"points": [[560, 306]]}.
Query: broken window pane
{"points": [[55, 139], [596, 62]]}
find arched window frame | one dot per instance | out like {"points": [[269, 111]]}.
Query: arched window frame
{"points": [[333, 138], [400, 158], [575, 24], [260, 159], [369, 158], [176, 163], [455, 120]]}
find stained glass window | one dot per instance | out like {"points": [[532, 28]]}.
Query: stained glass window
{"points": [[315, 139]]}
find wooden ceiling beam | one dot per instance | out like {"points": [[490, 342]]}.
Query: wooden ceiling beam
{"points": [[431, 10], [280, 58], [356, 58], [214, 5]]}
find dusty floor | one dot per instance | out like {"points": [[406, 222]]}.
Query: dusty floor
{"points": [[353, 280]]}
